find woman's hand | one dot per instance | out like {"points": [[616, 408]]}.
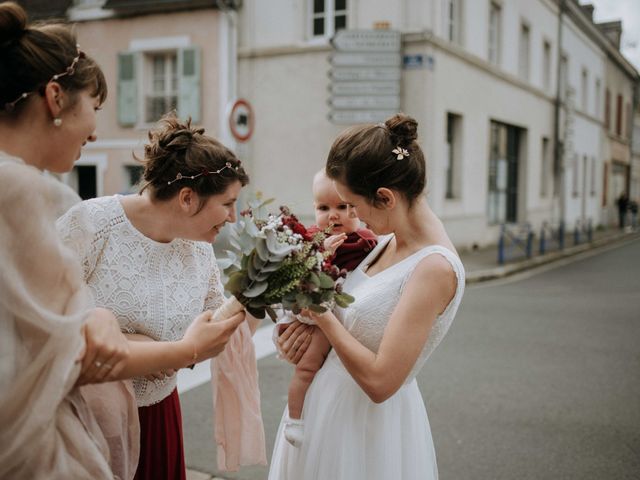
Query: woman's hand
{"points": [[295, 340], [207, 338], [106, 349]]}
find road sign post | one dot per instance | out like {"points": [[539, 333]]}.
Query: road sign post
{"points": [[365, 76]]}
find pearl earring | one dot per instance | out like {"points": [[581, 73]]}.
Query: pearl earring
{"points": [[57, 122]]}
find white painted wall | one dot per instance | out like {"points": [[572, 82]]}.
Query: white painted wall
{"points": [[284, 75]]}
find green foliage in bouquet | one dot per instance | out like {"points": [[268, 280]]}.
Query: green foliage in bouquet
{"points": [[276, 262]]}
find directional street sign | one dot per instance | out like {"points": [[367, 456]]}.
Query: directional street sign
{"points": [[367, 41], [365, 73], [389, 102], [365, 59], [365, 76], [352, 117], [364, 88]]}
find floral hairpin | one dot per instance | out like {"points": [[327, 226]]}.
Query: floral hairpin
{"points": [[70, 70], [203, 173], [400, 152]]}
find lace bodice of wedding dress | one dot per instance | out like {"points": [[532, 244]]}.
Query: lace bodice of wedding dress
{"points": [[155, 289]]}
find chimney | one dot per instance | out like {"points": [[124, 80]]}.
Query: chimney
{"points": [[587, 9], [612, 30]]}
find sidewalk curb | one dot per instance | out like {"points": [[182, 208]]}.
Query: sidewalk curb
{"points": [[502, 271]]}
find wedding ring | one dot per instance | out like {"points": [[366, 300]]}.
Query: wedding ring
{"points": [[97, 364], [107, 366]]}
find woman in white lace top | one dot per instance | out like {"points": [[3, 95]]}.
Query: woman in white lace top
{"points": [[149, 259], [364, 416]]}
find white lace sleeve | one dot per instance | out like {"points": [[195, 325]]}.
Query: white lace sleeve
{"points": [[215, 295], [78, 232]]}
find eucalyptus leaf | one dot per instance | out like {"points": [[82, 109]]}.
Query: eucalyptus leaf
{"points": [[237, 282], [314, 279], [303, 300], [261, 248], [256, 289], [317, 308], [325, 280]]}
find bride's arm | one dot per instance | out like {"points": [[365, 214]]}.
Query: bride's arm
{"points": [[429, 290]]}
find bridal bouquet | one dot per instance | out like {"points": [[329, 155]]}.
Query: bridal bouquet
{"points": [[278, 263]]}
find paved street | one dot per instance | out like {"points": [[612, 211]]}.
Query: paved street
{"points": [[539, 378]]}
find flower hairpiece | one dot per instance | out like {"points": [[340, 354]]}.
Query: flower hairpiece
{"points": [[70, 70], [203, 173], [400, 152]]}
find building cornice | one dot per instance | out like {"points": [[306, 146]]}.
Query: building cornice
{"points": [[475, 61], [247, 53], [588, 27]]}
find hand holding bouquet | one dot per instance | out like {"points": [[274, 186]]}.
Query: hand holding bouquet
{"points": [[276, 262]]}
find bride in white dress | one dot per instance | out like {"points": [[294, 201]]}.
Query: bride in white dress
{"points": [[364, 416]]}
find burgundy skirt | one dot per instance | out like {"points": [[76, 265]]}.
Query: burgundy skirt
{"points": [[161, 449]]}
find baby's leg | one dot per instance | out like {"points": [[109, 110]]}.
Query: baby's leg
{"points": [[306, 369]]}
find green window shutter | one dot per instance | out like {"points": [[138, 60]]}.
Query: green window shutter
{"points": [[189, 83], [127, 89]]}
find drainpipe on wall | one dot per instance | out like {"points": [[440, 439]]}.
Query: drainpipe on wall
{"points": [[558, 150]]}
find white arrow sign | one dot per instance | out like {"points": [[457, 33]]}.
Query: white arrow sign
{"points": [[351, 117], [365, 88], [365, 59], [367, 40], [391, 102], [365, 73]]}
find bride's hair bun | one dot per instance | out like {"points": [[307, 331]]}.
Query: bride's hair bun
{"points": [[367, 157], [403, 128], [13, 23]]}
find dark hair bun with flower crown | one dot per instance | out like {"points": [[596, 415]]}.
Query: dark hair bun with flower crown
{"points": [[368, 157], [178, 151]]}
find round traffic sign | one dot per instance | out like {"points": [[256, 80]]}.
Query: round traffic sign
{"points": [[241, 120]]}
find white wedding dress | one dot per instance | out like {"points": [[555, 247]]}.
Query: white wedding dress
{"points": [[348, 436]]}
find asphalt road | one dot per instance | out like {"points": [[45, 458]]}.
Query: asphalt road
{"points": [[538, 378]]}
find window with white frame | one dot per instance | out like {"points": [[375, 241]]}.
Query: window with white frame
{"points": [[327, 17], [453, 20], [525, 47], [564, 73], [161, 89], [545, 168], [598, 94], [495, 25], [585, 90], [453, 155], [593, 176], [575, 164], [155, 81], [546, 66]]}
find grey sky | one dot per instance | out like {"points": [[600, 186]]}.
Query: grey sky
{"points": [[629, 12]]}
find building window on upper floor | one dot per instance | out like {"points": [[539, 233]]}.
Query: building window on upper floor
{"points": [[575, 164], [607, 110], [453, 20], [545, 168], [619, 116], [495, 26], [453, 155], [546, 66], [597, 95], [327, 17], [564, 76], [525, 48], [593, 177], [153, 83], [584, 90]]}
